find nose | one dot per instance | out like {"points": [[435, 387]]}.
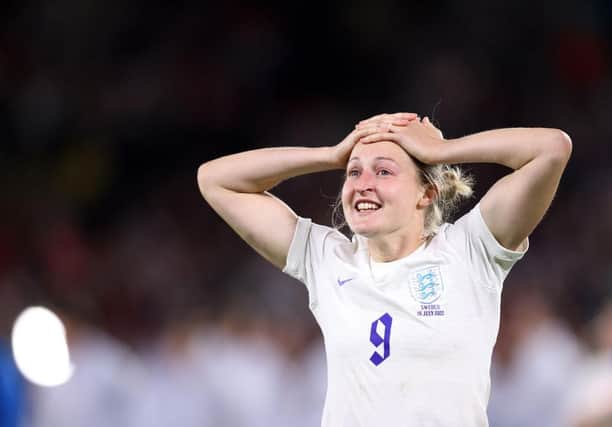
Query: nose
{"points": [[365, 182]]}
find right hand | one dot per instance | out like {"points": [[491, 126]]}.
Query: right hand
{"points": [[421, 139], [372, 125]]}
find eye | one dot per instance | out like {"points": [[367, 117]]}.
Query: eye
{"points": [[383, 172], [352, 172]]}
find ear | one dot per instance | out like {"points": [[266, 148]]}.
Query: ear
{"points": [[427, 196]]}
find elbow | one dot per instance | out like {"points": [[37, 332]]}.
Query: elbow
{"points": [[561, 145], [203, 178], [201, 174], [555, 147]]}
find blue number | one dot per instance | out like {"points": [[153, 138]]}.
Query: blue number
{"points": [[377, 340]]}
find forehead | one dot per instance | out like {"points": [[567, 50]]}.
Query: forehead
{"points": [[369, 152]]}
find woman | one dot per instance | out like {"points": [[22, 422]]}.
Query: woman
{"points": [[409, 308]]}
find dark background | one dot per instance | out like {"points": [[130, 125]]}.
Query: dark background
{"points": [[108, 108]]}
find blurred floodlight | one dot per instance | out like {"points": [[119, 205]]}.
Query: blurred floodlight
{"points": [[40, 348]]}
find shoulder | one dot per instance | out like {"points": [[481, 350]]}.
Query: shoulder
{"points": [[468, 225], [321, 240], [319, 232], [470, 236], [314, 245]]}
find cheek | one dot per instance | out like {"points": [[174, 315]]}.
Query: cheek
{"points": [[402, 195], [346, 193]]}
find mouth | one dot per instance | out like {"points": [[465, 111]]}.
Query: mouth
{"points": [[366, 206]]}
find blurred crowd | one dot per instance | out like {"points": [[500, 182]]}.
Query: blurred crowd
{"points": [[108, 108]]}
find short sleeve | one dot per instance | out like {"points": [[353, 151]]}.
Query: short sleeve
{"points": [[310, 252], [295, 266], [487, 258]]}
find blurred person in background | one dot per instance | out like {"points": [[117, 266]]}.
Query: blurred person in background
{"points": [[176, 391], [105, 389], [590, 400], [242, 366], [264, 353], [536, 357], [426, 294], [12, 390], [14, 404]]}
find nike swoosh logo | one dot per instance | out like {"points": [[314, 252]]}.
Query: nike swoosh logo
{"points": [[342, 282]]}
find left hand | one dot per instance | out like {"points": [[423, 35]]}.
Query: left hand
{"points": [[421, 139], [340, 152]]}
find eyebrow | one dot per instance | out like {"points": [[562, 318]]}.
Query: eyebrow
{"points": [[376, 158]]}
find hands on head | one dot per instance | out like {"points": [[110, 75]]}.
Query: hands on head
{"points": [[419, 138]]}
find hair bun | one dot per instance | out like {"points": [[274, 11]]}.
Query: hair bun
{"points": [[454, 184]]}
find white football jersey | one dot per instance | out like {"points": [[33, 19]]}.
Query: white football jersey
{"points": [[408, 342]]}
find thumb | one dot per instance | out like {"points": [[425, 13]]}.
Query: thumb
{"points": [[430, 125]]}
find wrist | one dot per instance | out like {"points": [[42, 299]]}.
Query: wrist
{"points": [[437, 152], [333, 158]]}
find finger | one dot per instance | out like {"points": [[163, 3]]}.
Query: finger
{"points": [[373, 118], [394, 116], [403, 118], [389, 128], [378, 137], [397, 122], [357, 134], [408, 116], [429, 123], [386, 124], [366, 125], [431, 126], [384, 127], [373, 126]]}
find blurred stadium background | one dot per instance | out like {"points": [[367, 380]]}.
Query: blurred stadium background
{"points": [[108, 108]]}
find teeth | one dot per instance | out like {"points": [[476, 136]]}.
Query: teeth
{"points": [[362, 206]]}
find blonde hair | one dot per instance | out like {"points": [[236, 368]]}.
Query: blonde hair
{"points": [[450, 185]]}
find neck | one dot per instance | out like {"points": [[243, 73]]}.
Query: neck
{"points": [[394, 246]]}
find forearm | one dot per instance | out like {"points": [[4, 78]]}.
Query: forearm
{"points": [[512, 147], [259, 170]]}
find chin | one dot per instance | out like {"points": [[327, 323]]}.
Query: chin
{"points": [[365, 230]]}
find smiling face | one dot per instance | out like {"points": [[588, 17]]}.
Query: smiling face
{"points": [[382, 193]]}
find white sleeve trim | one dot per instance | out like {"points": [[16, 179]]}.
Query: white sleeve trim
{"points": [[297, 250]]}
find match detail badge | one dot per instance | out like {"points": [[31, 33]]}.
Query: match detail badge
{"points": [[426, 285]]}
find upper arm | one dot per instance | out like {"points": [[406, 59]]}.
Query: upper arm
{"points": [[515, 204], [260, 219]]}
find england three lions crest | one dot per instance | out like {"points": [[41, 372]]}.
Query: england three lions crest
{"points": [[426, 285]]}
